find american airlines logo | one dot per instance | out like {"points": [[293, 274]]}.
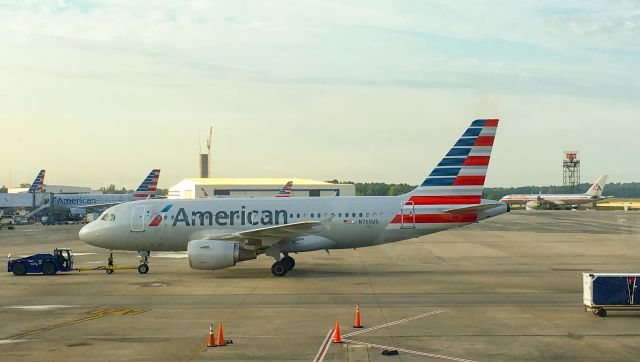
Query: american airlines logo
{"points": [[231, 217], [596, 187]]}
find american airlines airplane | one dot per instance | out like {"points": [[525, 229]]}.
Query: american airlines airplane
{"points": [[220, 232], [593, 195], [147, 189]]}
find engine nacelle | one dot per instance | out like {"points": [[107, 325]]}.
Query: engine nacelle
{"points": [[217, 254], [531, 205]]}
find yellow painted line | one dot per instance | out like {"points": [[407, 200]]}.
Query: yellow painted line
{"points": [[93, 314]]}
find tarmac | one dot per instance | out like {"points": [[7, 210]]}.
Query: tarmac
{"points": [[506, 289]]}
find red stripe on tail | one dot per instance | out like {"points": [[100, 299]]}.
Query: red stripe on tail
{"points": [[477, 161], [435, 218], [469, 181]]}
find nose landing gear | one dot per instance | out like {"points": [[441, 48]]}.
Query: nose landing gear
{"points": [[143, 268]]}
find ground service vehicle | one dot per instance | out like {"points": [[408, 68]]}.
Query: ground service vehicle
{"points": [[61, 260]]}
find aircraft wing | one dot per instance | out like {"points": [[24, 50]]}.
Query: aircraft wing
{"points": [[471, 209], [264, 237]]}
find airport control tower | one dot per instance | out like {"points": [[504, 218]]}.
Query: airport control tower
{"points": [[205, 158], [571, 170]]}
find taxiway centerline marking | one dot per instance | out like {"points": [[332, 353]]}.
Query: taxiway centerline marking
{"points": [[324, 348], [393, 323], [426, 354]]}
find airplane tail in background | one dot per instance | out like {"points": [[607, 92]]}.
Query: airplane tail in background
{"points": [[459, 177], [285, 191], [148, 187], [36, 186], [596, 189]]}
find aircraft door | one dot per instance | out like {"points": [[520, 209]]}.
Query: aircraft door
{"points": [[137, 218], [407, 215]]}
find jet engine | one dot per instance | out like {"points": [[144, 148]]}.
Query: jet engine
{"points": [[217, 254], [532, 205]]}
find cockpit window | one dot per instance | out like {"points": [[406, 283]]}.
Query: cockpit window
{"points": [[112, 217], [105, 217]]}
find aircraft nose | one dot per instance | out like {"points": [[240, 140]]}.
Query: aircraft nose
{"points": [[87, 234]]}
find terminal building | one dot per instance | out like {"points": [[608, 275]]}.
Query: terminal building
{"points": [[193, 188]]}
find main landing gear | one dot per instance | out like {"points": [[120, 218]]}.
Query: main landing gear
{"points": [[284, 265], [143, 268]]}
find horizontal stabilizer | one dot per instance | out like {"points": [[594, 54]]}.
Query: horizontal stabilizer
{"points": [[471, 209]]}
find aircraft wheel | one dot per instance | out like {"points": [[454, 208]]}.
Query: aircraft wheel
{"points": [[109, 271], [289, 262], [48, 268], [279, 269], [19, 269], [143, 269], [602, 312]]}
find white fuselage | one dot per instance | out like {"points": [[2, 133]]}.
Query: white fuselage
{"points": [[345, 222]]}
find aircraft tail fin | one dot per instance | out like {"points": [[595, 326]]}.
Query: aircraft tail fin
{"points": [[459, 177], [149, 186], [36, 186], [285, 191], [597, 188]]}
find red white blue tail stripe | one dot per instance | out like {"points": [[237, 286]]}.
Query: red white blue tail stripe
{"points": [[456, 182], [37, 184], [285, 191], [149, 186]]}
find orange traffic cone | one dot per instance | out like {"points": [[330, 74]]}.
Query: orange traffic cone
{"points": [[336, 334], [220, 342], [357, 324], [211, 340]]}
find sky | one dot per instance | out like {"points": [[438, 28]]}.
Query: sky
{"points": [[101, 92]]}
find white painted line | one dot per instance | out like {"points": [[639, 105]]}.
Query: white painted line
{"points": [[426, 354], [393, 323], [40, 307], [9, 341], [83, 254], [324, 348]]}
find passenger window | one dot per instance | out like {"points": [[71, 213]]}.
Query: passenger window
{"points": [[304, 216], [375, 214], [290, 216], [312, 215], [298, 216], [353, 215], [360, 214], [339, 214], [333, 214], [367, 214]]}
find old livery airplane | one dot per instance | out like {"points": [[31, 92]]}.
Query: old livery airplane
{"points": [[220, 232], [593, 195]]}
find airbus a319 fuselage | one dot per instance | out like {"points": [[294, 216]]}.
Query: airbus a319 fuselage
{"points": [[220, 232]]}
